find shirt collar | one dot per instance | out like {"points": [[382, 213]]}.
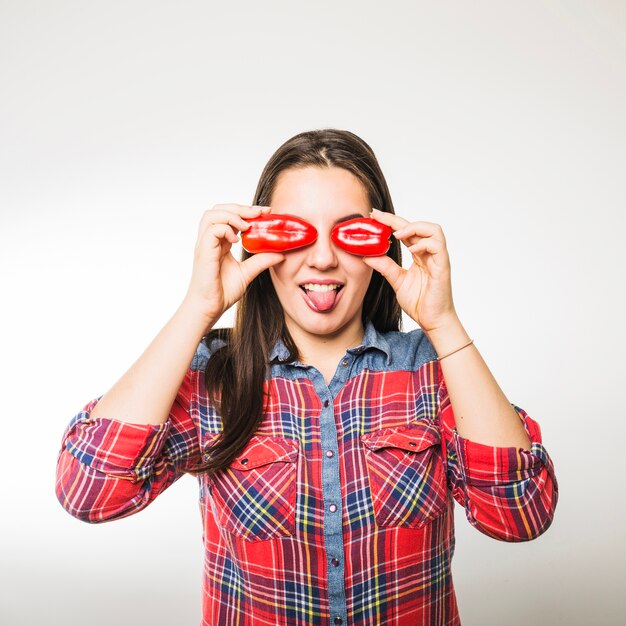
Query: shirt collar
{"points": [[371, 339], [279, 351]]}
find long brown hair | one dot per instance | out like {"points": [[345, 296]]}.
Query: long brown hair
{"points": [[235, 373]]}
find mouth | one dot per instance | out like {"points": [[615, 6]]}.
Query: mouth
{"points": [[321, 297], [321, 287]]}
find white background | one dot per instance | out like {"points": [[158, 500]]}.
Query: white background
{"points": [[121, 122]]}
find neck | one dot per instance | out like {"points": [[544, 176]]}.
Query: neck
{"points": [[314, 348]]}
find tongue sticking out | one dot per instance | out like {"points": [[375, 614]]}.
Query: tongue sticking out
{"points": [[323, 300]]}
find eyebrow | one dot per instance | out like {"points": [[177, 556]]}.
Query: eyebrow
{"points": [[347, 217]]}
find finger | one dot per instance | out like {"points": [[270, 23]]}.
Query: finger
{"points": [[246, 210], [230, 214], [395, 221], [421, 229], [223, 231], [231, 235], [254, 265], [427, 244], [223, 217], [386, 266], [430, 254]]}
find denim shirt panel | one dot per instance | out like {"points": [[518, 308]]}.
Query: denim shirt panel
{"points": [[391, 351]]}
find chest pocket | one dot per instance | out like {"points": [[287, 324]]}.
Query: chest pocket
{"points": [[406, 474], [255, 497]]}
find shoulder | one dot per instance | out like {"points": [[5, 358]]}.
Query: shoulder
{"points": [[209, 345], [408, 350]]}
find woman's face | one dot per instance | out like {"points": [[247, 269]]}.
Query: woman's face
{"points": [[321, 287]]}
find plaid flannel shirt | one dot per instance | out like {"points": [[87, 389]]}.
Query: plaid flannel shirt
{"points": [[340, 508]]}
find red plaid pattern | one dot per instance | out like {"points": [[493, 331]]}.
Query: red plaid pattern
{"points": [[401, 466]]}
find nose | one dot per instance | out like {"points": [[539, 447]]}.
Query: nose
{"points": [[321, 254]]}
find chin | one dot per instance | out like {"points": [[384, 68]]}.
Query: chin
{"points": [[329, 326]]}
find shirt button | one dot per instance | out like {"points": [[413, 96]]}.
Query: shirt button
{"points": [[330, 454], [332, 508], [325, 402], [345, 364], [337, 620], [244, 461], [335, 562]]}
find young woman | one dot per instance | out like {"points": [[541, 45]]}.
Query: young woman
{"points": [[329, 446]]}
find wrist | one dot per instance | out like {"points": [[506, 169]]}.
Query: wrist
{"points": [[448, 337], [196, 315]]}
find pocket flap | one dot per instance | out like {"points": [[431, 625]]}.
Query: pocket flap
{"points": [[411, 438], [262, 450]]}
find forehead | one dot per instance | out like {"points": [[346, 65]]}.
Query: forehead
{"points": [[314, 192]]}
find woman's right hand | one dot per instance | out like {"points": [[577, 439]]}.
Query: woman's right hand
{"points": [[218, 280]]}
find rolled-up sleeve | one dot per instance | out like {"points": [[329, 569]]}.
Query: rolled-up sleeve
{"points": [[508, 493], [108, 469]]}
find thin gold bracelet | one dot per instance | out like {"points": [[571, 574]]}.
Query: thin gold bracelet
{"points": [[469, 343]]}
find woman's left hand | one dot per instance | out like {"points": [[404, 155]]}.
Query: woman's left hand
{"points": [[424, 291]]}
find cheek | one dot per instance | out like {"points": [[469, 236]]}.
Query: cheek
{"points": [[362, 275], [275, 281], [282, 275]]}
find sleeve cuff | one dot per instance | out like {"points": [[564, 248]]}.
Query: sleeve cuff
{"points": [[487, 466], [114, 447]]}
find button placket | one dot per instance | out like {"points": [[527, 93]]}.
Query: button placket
{"points": [[329, 453], [331, 495]]}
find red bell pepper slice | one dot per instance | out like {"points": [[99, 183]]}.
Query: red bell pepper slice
{"points": [[277, 233], [363, 236]]}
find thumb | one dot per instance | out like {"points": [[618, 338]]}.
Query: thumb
{"points": [[387, 267], [252, 267]]}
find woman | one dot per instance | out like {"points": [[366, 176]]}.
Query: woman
{"points": [[329, 446]]}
